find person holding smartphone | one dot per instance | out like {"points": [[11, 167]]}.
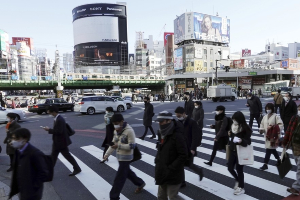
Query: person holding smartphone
{"points": [[239, 134]]}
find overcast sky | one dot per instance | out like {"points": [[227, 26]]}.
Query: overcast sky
{"points": [[252, 22]]}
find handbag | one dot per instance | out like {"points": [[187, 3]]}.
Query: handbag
{"points": [[137, 155], [245, 155], [285, 166]]}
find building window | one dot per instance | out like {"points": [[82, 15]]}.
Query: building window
{"points": [[205, 51], [205, 64], [211, 51], [152, 62]]}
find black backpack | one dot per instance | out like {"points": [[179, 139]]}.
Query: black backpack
{"points": [[229, 123]]}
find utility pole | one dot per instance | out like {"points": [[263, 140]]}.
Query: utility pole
{"points": [[59, 88]]}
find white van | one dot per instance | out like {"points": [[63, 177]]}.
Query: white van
{"points": [[97, 104]]}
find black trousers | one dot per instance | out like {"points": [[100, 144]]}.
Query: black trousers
{"points": [[193, 167], [252, 116], [65, 152], [11, 159], [239, 173], [268, 155], [214, 152], [124, 172], [276, 107], [146, 131]]}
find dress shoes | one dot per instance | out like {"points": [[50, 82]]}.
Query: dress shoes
{"points": [[75, 172], [154, 136]]}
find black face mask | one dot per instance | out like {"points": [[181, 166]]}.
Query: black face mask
{"points": [[162, 127]]}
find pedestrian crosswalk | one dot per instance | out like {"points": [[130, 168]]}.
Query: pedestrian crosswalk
{"points": [[217, 183]]}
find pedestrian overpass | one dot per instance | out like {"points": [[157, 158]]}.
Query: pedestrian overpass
{"points": [[79, 84]]}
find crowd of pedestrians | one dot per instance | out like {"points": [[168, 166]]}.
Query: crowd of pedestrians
{"points": [[177, 142]]}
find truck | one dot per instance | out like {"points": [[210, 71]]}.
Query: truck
{"points": [[221, 93], [295, 91]]}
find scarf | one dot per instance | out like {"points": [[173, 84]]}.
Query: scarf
{"points": [[167, 131]]}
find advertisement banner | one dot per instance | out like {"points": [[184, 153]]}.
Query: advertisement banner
{"points": [[198, 53], [29, 41], [23, 49], [166, 34], [292, 64], [211, 28], [189, 26], [246, 52], [258, 80], [178, 59], [179, 29], [245, 82], [199, 66], [190, 66]]}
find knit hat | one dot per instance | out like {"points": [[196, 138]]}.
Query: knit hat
{"points": [[220, 108], [163, 116]]}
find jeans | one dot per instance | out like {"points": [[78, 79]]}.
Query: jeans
{"points": [[65, 152], [123, 173], [238, 174], [171, 191], [268, 155], [252, 116], [296, 184]]}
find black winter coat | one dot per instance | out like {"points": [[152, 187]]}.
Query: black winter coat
{"points": [[255, 106], [191, 133], [245, 135], [288, 111], [220, 126], [198, 116], [189, 107], [12, 127], [29, 173], [59, 133], [148, 114], [109, 135], [171, 157]]}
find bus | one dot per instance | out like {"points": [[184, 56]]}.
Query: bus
{"points": [[272, 87]]}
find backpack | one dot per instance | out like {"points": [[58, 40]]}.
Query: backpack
{"points": [[50, 167], [70, 130], [229, 123]]}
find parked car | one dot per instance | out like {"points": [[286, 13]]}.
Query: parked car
{"points": [[21, 115], [43, 105], [97, 104], [128, 103]]}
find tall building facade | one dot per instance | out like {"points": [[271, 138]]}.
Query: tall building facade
{"points": [[68, 62]]}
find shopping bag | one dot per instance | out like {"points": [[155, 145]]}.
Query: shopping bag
{"points": [[245, 154], [285, 166], [227, 151]]}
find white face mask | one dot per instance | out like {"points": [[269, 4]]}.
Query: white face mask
{"points": [[269, 111], [106, 112], [235, 122], [180, 118], [218, 112], [117, 126], [286, 99], [196, 106], [249, 97], [17, 144]]}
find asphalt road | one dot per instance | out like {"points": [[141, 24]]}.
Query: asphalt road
{"points": [[96, 179]]}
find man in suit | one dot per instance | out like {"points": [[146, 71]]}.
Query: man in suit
{"points": [[29, 170], [288, 110], [147, 118], [61, 140]]}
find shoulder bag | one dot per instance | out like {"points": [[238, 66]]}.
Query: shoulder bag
{"points": [[245, 154]]}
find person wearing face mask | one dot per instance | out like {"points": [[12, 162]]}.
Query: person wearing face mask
{"points": [[221, 138], [11, 125], [192, 137], [109, 129], [288, 110], [255, 108], [240, 134], [292, 140], [123, 144], [147, 118], [198, 116], [188, 104], [30, 170], [171, 156], [61, 140], [267, 122]]}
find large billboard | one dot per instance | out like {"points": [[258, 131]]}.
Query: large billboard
{"points": [[178, 59], [29, 41], [96, 29], [166, 34], [199, 26], [246, 52]]}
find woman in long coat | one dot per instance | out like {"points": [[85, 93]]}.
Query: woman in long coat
{"points": [[267, 122], [11, 126]]}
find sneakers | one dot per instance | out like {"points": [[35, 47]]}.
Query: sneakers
{"points": [[208, 163], [264, 167], [293, 191], [239, 191], [236, 185]]}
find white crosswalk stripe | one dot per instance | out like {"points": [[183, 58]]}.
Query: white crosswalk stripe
{"points": [[262, 181]]}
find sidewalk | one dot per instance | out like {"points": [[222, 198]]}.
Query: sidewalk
{"points": [[5, 181]]}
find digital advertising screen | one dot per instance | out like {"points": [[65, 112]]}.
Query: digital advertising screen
{"points": [[178, 59]]}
